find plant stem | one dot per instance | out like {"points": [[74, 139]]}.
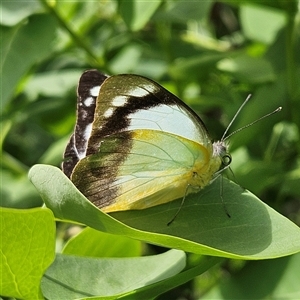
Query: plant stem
{"points": [[75, 37]]}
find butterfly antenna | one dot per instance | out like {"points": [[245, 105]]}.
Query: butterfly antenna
{"points": [[233, 119], [252, 123]]}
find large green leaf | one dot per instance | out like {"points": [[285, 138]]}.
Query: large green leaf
{"points": [[91, 242], [27, 250], [189, 10], [71, 277], [34, 38], [137, 13], [16, 191], [261, 23], [13, 12], [249, 69], [196, 66], [152, 290], [273, 279], [254, 231], [184, 11], [43, 83]]}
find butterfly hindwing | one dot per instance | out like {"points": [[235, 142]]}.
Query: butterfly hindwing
{"points": [[87, 93], [139, 169]]}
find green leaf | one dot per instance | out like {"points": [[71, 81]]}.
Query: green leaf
{"points": [[27, 249], [71, 277], [261, 23], [126, 60], [53, 154], [249, 69], [291, 185], [16, 191], [153, 290], [91, 242], [137, 13], [183, 11], [43, 83], [196, 66], [266, 98], [281, 283], [34, 39], [257, 175], [254, 231], [13, 12]]}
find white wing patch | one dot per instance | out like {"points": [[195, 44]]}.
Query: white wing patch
{"points": [[87, 134], [89, 101], [167, 118], [119, 101], [94, 91], [142, 92], [108, 113]]}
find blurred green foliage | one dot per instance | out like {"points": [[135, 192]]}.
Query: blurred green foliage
{"points": [[210, 54]]}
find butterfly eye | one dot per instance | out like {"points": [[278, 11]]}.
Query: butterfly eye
{"points": [[226, 159]]}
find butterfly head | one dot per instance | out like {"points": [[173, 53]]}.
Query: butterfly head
{"points": [[220, 150]]}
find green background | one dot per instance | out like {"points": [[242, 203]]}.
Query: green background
{"points": [[210, 54]]}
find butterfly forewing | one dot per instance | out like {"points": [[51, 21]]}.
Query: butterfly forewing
{"points": [[129, 102]]}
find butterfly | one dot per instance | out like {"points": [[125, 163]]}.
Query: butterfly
{"points": [[136, 145]]}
